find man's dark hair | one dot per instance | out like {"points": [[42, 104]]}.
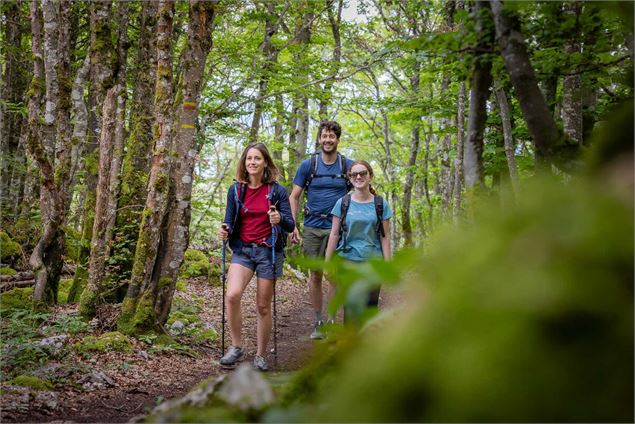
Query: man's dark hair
{"points": [[330, 126]]}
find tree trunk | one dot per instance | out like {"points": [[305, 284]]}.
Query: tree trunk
{"points": [[334, 64], [137, 312], [479, 92], [102, 60], [458, 160], [300, 98], [12, 88], [548, 141], [269, 57], [572, 84], [136, 163], [183, 149], [406, 227], [508, 139], [99, 242], [446, 143], [53, 158]]}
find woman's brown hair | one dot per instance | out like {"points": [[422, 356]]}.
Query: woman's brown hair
{"points": [[368, 168], [271, 170]]}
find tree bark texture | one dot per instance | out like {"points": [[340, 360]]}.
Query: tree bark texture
{"points": [[458, 159], [572, 84], [415, 141], [50, 61], [12, 87], [136, 163], [547, 139], [300, 112], [326, 94], [508, 139], [99, 242], [137, 313], [480, 82], [184, 151]]}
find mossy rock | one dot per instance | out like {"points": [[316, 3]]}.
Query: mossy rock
{"points": [[5, 270], [181, 285], [32, 382], [16, 299], [9, 249], [113, 341], [195, 264]]}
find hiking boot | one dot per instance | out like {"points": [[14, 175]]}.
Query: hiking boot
{"points": [[330, 321], [317, 333], [260, 364], [233, 355]]}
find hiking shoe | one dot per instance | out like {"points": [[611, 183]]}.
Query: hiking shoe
{"points": [[317, 333], [260, 364], [330, 321], [233, 355]]}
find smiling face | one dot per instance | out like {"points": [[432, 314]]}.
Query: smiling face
{"points": [[255, 162], [328, 141], [360, 176]]}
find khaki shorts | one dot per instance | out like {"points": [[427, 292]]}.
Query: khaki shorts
{"points": [[314, 241]]}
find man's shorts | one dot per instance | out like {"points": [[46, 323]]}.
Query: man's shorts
{"points": [[314, 241], [258, 258]]}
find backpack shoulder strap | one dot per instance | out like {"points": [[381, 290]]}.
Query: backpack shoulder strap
{"points": [[313, 165], [346, 202], [379, 210]]}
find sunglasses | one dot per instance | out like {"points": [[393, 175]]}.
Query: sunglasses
{"points": [[363, 173]]}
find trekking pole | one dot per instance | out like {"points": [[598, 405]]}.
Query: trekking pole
{"points": [[224, 281], [275, 315]]}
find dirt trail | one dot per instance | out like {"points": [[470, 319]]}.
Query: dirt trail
{"points": [[140, 382]]}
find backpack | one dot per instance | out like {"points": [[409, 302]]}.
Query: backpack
{"points": [[313, 172], [379, 210]]}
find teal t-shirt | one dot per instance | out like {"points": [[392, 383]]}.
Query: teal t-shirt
{"points": [[362, 240]]}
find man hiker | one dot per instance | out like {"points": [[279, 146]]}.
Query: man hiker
{"points": [[323, 178]]}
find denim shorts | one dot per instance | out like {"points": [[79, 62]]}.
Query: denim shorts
{"points": [[258, 259]]}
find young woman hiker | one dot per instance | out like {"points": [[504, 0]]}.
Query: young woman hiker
{"points": [[366, 224], [253, 227]]}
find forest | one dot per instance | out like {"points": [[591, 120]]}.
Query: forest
{"points": [[500, 134]]}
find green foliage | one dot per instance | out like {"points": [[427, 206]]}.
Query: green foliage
{"points": [[67, 324], [519, 318], [64, 290], [113, 341], [32, 382], [16, 299], [20, 350], [9, 249]]}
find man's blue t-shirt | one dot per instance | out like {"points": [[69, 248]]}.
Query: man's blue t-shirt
{"points": [[362, 240], [323, 191]]}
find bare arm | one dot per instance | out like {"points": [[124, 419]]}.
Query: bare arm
{"points": [[334, 238], [294, 201], [385, 241]]}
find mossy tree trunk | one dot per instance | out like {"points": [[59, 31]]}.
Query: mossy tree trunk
{"points": [[110, 158], [102, 64], [50, 146], [12, 87], [193, 62], [136, 163], [137, 314]]}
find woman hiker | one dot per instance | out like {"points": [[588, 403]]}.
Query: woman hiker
{"points": [[365, 225], [257, 218]]}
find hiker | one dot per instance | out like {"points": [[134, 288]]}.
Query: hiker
{"points": [[253, 227], [323, 178], [361, 223]]}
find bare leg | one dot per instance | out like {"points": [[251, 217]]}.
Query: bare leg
{"points": [[237, 280], [315, 289], [264, 294]]}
